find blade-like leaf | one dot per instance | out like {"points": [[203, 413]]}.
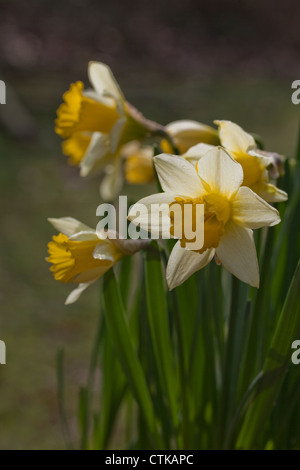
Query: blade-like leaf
{"points": [[61, 397], [113, 386], [160, 330], [122, 342], [276, 365]]}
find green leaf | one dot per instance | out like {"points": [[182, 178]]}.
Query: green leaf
{"points": [[276, 365], [122, 342], [113, 386], [83, 411], [61, 397], [160, 330]]}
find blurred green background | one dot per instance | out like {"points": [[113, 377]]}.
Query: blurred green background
{"points": [[197, 60]]}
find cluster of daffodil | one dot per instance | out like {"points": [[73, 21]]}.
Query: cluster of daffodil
{"points": [[222, 168]]}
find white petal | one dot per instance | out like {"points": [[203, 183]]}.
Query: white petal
{"points": [[102, 79], [76, 293], [146, 214], [105, 251], [237, 253], [112, 182], [223, 174], [187, 133], [183, 263], [178, 176], [271, 193], [97, 154], [116, 134], [234, 138], [84, 235], [251, 211], [90, 93], [198, 151], [68, 226], [181, 127], [93, 274], [264, 159]]}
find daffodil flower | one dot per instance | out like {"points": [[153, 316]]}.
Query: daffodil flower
{"points": [[187, 133], [255, 163], [231, 211], [139, 168], [97, 123], [78, 254]]}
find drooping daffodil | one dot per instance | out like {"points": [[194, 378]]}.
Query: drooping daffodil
{"points": [[96, 123], [231, 211], [81, 255]]}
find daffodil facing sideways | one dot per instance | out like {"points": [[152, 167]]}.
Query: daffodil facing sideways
{"points": [[186, 133], [258, 166], [231, 211], [96, 123], [78, 254]]}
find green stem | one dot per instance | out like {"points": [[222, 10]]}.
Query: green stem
{"points": [[61, 399], [254, 346], [240, 409], [228, 384], [90, 380], [182, 374]]}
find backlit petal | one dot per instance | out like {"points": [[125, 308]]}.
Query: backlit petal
{"points": [[220, 172], [237, 253], [198, 151], [146, 213], [103, 81], [76, 293], [68, 225], [271, 193], [112, 182], [251, 211], [97, 154], [178, 176], [183, 263], [234, 138]]}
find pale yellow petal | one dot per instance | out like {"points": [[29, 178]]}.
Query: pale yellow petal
{"points": [[84, 235], [264, 159], [97, 155], [93, 274], [271, 193], [178, 176], [183, 263], [152, 214], [103, 81], [251, 211], [112, 182], [105, 251], [76, 293], [220, 172], [237, 253], [198, 151], [116, 134], [68, 225], [234, 138], [187, 133]]}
